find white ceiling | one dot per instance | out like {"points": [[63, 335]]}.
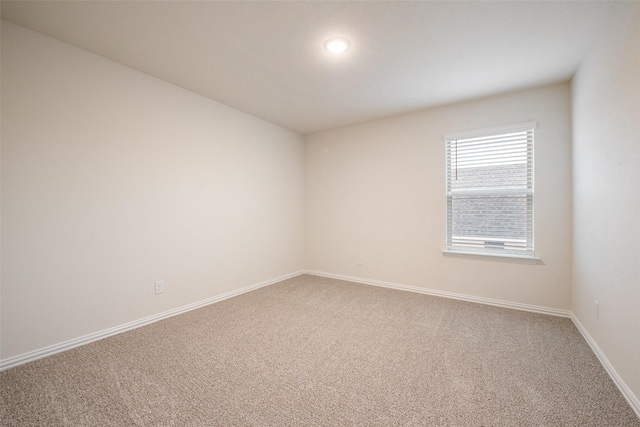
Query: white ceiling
{"points": [[266, 58]]}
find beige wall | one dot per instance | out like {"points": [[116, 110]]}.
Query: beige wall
{"points": [[606, 195], [112, 179], [377, 190]]}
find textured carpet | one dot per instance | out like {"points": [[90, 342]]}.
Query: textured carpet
{"points": [[323, 352]]}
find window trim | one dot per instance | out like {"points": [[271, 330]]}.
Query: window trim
{"points": [[484, 254], [492, 256], [515, 127]]}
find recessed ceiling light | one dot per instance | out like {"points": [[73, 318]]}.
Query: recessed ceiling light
{"points": [[336, 45]]}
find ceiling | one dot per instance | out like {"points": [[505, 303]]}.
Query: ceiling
{"points": [[266, 58]]}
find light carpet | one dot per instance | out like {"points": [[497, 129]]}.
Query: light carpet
{"points": [[324, 352]]}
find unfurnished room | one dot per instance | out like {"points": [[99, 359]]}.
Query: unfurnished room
{"points": [[320, 213]]}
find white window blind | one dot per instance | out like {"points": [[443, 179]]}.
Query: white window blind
{"points": [[490, 192]]}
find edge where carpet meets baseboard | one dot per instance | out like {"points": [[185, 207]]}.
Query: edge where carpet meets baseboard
{"points": [[446, 294], [630, 397], [21, 359]]}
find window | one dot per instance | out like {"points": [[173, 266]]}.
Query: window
{"points": [[490, 191]]}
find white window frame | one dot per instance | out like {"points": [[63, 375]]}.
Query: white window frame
{"points": [[524, 255]]}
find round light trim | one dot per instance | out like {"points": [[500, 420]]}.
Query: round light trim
{"points": [[336, 45]]}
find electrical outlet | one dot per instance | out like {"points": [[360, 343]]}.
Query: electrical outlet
{"points": [[360, 260], [159, 286], [596, 309]]}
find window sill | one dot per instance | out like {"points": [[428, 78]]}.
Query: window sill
{"points": [[486, 256]]}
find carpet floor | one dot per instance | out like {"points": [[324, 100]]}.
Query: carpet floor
{"points": [[323, 352]]}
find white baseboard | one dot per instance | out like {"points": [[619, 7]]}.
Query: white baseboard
{"points": [[446, 294], [631, 398], [77, 342]]}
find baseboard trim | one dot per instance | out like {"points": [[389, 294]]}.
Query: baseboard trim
{"points": [[631, 398], [446, 294], [12, 362]]}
